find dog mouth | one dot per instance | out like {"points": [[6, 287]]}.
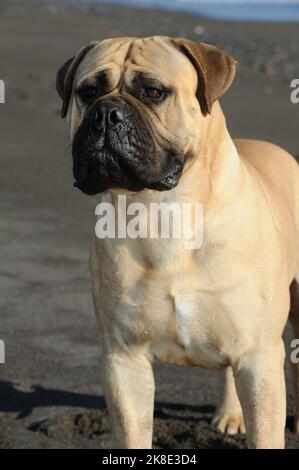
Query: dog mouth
{"points": [[97, 179], [104, 170]]}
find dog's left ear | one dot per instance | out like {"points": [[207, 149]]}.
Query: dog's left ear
{"points": [[216, 70], [65, 76]]}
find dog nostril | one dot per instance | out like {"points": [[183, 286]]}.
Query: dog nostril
{"points": [[116, 115]]}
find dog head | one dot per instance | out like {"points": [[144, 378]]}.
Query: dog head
{"points": [[137, 109]]}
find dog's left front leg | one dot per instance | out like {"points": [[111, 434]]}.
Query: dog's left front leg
{"points": [[229, 416], [129, 391], [260, 385]]}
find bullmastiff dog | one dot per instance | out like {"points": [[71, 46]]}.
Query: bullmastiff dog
{"points": [[145, 122]]}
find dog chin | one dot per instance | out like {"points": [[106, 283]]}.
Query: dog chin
{"points": [[92, 189]]}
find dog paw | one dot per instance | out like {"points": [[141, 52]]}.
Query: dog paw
{"points": [[229, 422]]}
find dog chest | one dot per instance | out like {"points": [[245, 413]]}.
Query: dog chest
{"points": [[176, 316], [167, 308], [193, 340]]}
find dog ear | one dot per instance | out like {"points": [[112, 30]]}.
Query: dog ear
{"points": [[216, 70], [65, 76]]}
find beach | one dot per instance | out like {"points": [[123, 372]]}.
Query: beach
{"points": [[50, 386]]}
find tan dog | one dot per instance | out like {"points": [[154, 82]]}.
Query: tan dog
{"points": [[145, 121]]}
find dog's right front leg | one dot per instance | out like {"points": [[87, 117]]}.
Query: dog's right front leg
{"points": [[129, 391]]}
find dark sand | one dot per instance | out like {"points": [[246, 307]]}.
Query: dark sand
{"points": [[50, 392]]}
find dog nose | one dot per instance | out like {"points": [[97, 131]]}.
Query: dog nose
{"points": [[115, 115], [109, 113]]}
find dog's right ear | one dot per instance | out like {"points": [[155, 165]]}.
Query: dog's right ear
{"points": [[215, 69], [65, 76]]}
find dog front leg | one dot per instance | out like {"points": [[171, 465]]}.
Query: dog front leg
{"points": [[129, 391], [229, 416], [260, 386]]}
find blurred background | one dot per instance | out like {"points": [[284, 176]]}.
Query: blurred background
{"points": [[50, 386]]}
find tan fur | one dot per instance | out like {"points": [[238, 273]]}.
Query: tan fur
{"points": [[224, 305]]}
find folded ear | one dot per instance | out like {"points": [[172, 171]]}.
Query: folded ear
{"points": [[215, 69], [65, 76]]}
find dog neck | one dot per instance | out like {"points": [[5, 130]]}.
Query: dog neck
{"points": [[215, 173]]}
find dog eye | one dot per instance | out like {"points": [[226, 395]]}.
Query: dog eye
{"points": [[153, 93], [87, 93]]}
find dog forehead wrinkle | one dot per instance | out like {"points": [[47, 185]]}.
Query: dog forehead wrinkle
{"points": [[94, 74], [108, 52], [141, 76], [163, 58]]}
